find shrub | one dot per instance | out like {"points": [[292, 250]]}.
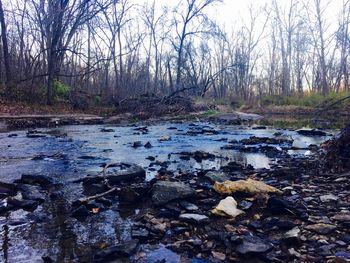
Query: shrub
{"points": [[61, 90]]}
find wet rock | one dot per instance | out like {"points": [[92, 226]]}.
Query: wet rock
{"points": [[5, 206], [148, 145], [189, 206], [259, 127], [151, 158], [124, 249], [107, 130], [199, 156], [164, 138], [32, 179], [35, 135], [7, 189], [32, 192], [164, 192], [342, 257], [321, 228], [265, 140], [253, 244], [217, 176], [24, 204], [234, 166], [328, 198], [126, 173], [12, 135], [311, 132], [194, 218], [137, 144], [81, 212]]}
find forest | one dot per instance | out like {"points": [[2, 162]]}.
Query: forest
{"points": [[109, 50]]}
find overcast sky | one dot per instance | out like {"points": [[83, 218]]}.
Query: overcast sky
{"points": [[236, 11]]}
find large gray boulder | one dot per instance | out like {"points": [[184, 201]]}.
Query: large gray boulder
{"points": [[164, 192]]}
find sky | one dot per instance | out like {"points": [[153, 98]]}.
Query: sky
{"points": [[236, 11]]}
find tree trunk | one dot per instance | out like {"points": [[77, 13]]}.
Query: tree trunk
{"points": [[5, 50]]}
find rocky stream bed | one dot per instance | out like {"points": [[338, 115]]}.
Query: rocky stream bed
{"points": [[170, 192]]}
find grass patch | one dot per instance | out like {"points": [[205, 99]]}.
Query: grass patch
{"points": [[307, 100], [210, 113]]}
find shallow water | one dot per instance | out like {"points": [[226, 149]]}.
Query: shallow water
{"points": [[73, 152]]}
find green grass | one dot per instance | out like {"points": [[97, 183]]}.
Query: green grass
{"points": [[307, 100], [210, 113]]}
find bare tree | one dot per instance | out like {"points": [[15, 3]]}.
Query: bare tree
{"points": [[5, 49]]}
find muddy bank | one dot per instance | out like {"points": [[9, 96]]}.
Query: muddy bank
{"points": [[152, 193]]}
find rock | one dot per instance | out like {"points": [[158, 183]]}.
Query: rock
{"points": [[321, 228], [126, 172], [199, 156], [292, 252], [107, 130], [328, 198], [25, 204], [5, 206], [194, 218], [253, 244], [342, 257], [94, 189], [124, 249], [189, 206], [32, 179], [81, 212], [227, 207], [265, 140], [342, 217], [128, 195], [137, 144], [219, 255], [141, 233], [164, 138], [259, 127], [217, 176], [32, 192], [164, 192], [311, 132], [245, 205], [292, 236], [248, 186], [7, 189], [276, 223], [148, 145], [278, 205]]}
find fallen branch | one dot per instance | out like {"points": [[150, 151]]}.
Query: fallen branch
{"points": [[330, 106], [90, 198]]}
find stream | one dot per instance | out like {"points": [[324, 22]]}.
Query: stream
{"points": [[69, 153]]}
